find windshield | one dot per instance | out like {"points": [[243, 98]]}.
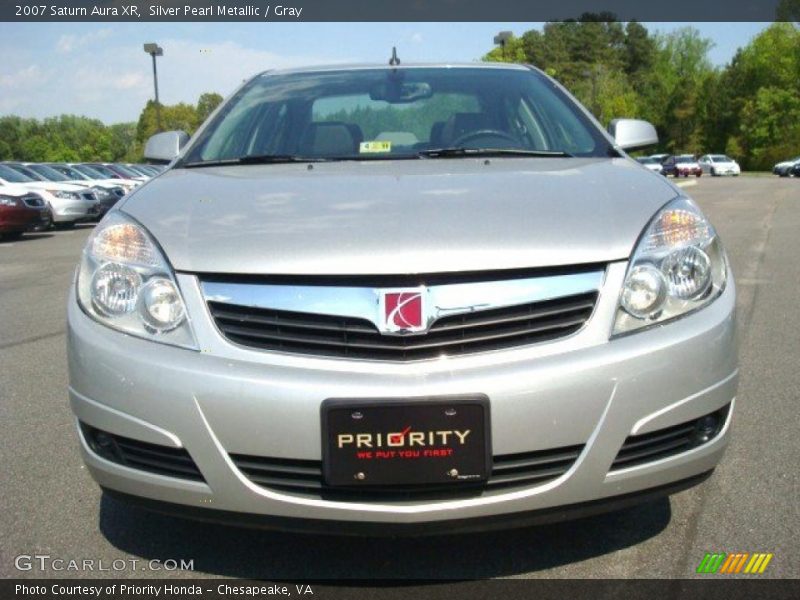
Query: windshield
{"points": [[94, 173], [396, 113], [48, 173], [122, 170], [70, 172], [13, 175], [684, 159], [102, 171], [646, 160], [720, 158]]}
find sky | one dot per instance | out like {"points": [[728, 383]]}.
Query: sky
{"points": [[100, 69]]}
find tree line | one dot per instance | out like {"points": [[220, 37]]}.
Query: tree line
{"points": [[71, 138], [749, 109]]}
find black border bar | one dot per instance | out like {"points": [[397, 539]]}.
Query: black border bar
{"points": [[394, 10]]}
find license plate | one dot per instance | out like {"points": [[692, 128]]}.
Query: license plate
{"points": [[418, 441]]}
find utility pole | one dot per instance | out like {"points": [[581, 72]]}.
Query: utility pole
{"points": [[155, 50], [501, 39]]}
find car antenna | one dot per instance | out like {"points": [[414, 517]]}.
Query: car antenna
{"points": [[394, 61]]}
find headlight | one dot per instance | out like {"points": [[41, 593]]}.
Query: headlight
{"points": [[678, 266], [100, 193], [65, 195], [125, 283], [8, 201]]}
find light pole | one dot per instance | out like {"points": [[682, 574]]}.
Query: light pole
{"points": [[155, 50], [501, 39]]}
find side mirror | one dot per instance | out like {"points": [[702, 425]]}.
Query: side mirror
{"points": [[630, 134], [164, 147]]}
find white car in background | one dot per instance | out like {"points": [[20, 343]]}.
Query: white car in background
{"points": [[719, 164], [651, 163], [102, 174], [58, 172], [68, 203]]}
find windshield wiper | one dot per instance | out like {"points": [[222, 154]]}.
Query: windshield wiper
{"points": [[253, 159], [456, 152]]}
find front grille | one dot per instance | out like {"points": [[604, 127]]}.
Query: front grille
{"points": [[33, 200], [663, 443], [304, 477], [153, 458], [308, 333]]}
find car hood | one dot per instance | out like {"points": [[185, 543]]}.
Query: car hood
{"points": [[54, 185], [15, 190], [401, 216]]}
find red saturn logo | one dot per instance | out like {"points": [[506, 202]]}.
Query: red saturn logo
{"points": [[403, 311]]}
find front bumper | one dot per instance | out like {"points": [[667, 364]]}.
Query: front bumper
{"points": [[18, 218], [69, 211], [229, 400]]}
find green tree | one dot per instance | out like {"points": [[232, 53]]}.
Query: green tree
{"points": [[206, 105]]}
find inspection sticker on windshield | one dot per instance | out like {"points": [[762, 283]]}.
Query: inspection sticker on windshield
{"points": [[374, 146]]}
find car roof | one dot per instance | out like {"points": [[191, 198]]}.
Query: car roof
{"points": [[367, 66]]}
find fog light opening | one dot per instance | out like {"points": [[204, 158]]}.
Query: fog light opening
{"points": [[706, 428]]}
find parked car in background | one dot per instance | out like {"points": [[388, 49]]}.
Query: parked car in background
{"points": [[68, 203], [651, 163], [105, 194], [21, 210], [77, 176], [784, 169], [119, 171], [681, 166], [660, 157], [717, 165], [143, 170], [103, 174]]}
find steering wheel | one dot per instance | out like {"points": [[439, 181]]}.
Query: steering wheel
{"points": [[471, 135]]}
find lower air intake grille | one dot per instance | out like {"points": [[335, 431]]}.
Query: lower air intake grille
{"points": [[154, 458], [663, 443], [509, 471], [308, 333]]}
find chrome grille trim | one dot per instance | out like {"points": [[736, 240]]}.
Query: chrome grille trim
{"points": [[363, 302], [342, 321]]}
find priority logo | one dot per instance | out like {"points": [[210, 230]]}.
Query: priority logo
{"points": [[402, 439], [745, 563], [403, 311]]}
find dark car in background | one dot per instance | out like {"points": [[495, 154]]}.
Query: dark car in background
{"points": [[785, 168], [681, 166], [21, 210]]}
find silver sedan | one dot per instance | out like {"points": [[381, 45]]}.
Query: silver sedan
{"points": [[401, 299]]}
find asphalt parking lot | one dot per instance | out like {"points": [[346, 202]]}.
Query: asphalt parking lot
{"points": [[51, 506]]}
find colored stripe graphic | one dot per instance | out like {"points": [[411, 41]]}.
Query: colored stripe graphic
{"points": [[711, 562], [734, 563]]}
